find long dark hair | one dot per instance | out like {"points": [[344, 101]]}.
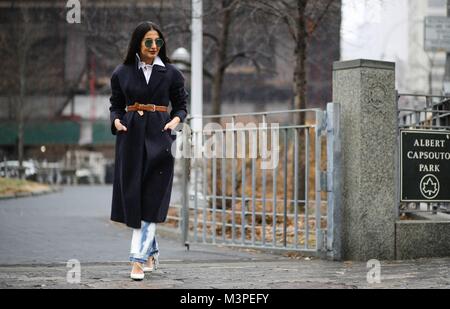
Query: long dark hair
{"points": [[136, 39]]}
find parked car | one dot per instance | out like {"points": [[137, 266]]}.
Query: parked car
{"points": [[11, 169]]}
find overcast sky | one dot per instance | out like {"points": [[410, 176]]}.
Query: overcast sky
{"points": [[374, 29]]}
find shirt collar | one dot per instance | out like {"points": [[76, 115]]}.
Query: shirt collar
{"points": [[142, 64]]}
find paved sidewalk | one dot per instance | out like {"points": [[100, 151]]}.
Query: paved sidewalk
{"points": [[237, 274], [38, 235], [74, 224]]}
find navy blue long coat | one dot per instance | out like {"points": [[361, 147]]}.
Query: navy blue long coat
{"points": [[144, 164]]}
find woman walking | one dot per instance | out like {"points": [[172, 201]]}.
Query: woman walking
{"points": [[142, 88]]}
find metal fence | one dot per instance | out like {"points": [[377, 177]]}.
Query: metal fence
{"points": [[425, 112], [233, 196]]}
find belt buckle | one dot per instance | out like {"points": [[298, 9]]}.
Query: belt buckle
{"points": [[154, 107], [140, 112]]}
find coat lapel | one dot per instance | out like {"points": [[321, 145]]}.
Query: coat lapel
{"points": [[140, 73], [157, 76]]}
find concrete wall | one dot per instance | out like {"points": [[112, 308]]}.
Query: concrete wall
{"points": [[422, 238]]}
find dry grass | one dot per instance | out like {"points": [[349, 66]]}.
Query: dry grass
{"points": [[10, 186]]}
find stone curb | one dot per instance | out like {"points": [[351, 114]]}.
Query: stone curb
{"points": [[7, 196]]}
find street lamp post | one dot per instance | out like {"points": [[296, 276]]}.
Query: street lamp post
{"points": [[196, 113], [197, 65]]}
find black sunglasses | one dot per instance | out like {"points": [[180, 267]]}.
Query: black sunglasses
{"points": [[149, 42]]}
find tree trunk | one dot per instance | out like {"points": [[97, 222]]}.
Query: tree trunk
{"points": [[300, 60], [220, 61], [300, 92], [20, 114], [20, 136]]}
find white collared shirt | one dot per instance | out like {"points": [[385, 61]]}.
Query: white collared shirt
{"points": [[147, 68]]}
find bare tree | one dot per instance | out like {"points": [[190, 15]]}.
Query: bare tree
{"points": [[232, 37], [25, 65], [297, 21], [301, 18]]}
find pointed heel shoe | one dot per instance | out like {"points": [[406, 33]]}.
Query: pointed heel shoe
{"points": [[137, 277], [149, 267]]}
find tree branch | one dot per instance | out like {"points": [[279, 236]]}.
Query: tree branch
{"points": [[321, 16]]}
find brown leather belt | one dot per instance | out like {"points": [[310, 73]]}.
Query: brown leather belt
{"points": [[146, 107]]}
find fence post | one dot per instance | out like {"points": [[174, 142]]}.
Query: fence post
{"points": [[185, 161], [334, 182], [320, 119]]}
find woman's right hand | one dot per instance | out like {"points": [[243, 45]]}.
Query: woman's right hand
{"points": [[119, 126]]}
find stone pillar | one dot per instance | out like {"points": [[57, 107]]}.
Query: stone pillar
{"points": [[366, 91]]}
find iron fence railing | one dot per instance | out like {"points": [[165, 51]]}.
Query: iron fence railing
{"points": [[231, 199], [425, 112]]}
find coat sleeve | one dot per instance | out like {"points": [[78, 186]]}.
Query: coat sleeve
{"points": [[178, 96], [117, 100]]}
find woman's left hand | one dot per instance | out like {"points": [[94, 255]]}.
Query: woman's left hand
{"points": [[172, 123]]}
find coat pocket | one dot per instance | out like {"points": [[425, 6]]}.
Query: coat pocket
{"points": [[172, 134], [124, 122]]}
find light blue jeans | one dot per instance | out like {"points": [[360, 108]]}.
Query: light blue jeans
{"points": [[143, 243]]}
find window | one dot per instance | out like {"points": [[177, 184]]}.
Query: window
{"points": [[437, 4]]}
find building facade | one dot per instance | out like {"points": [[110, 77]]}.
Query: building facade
{"points": [[426, 69]]}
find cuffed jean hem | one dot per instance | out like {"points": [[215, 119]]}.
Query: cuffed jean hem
{"points": [[139, 260], [154, 253]]}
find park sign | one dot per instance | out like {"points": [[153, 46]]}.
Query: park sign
{"points": [[437, 33], [425, 166]]}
